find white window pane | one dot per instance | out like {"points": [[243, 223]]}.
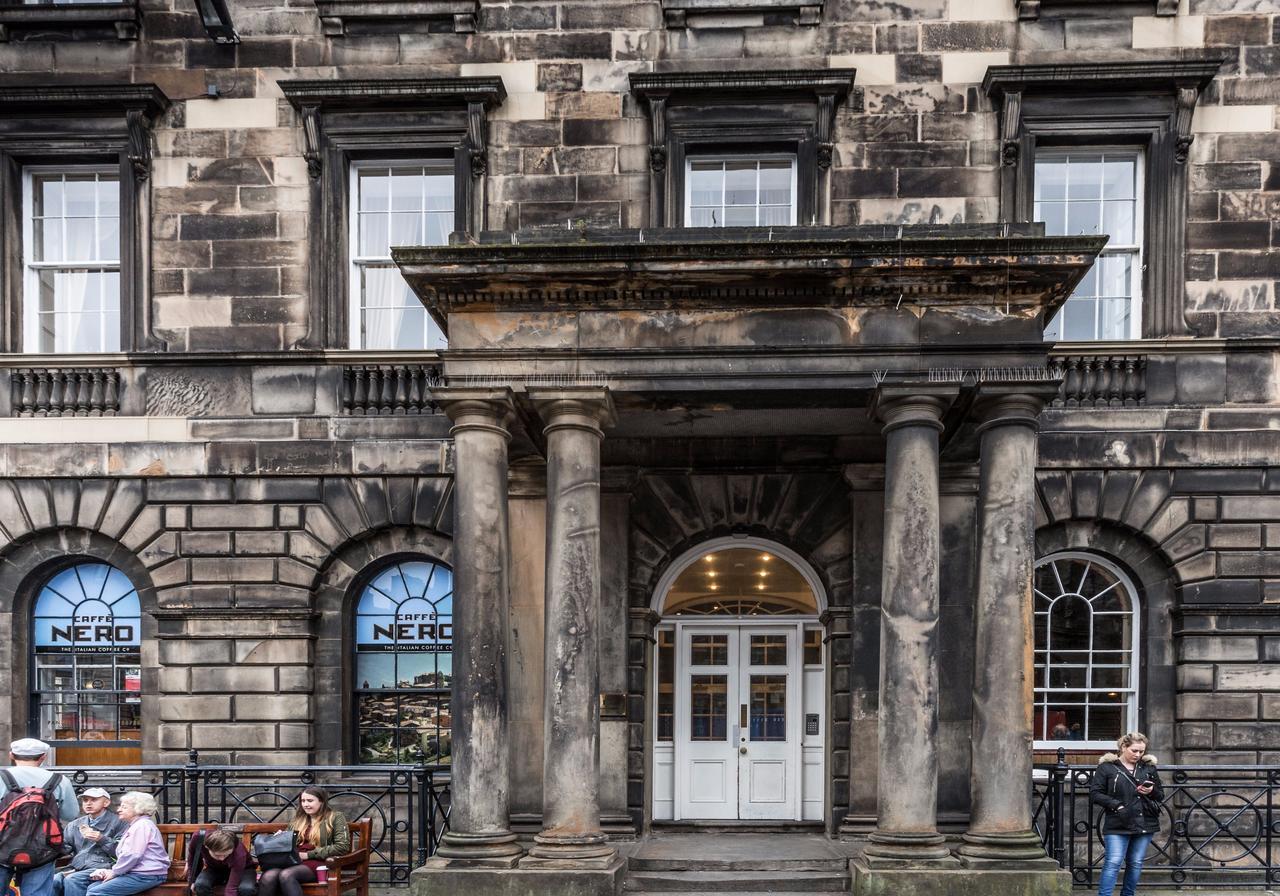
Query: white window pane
{"points": [[1117, 178], [439, 226], [47, 197], [1084, 177], [440, 193], [48, 240], [1117, 221], [81, 195], [1084, 218], [1114, 273], [406, 189], [1051, 181], [373, 235], [775, 215], [82, 239], [400, 328], [1078, 319], [373, 187], [108, 239], [705, 185], [1054, 216], [739, 184], [1088, 284], [406, 229], [1114, 319], [703, 217], [740, 216], [108, 196]]}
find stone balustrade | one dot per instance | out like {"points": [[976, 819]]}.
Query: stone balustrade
{"points": [[65, 392], [379, 390], [1101, 381]]}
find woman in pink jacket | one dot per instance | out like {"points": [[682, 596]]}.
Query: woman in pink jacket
{"points": [[141, 859]]}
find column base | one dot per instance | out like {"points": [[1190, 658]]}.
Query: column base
{"points": [[580, 850], [957, 881], [520, 881], [495, 850], [895, 847], [1022, 848]]}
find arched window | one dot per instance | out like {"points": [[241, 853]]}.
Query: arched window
{"points": [[86, 636], [1086, 651], [404, 663]]}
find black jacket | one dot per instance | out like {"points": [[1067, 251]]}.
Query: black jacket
{"points": [[1116, 791]]}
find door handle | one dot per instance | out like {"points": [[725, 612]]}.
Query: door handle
{"points": [[742, 750]]}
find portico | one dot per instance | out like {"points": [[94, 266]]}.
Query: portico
{"points": [[848, 394]]}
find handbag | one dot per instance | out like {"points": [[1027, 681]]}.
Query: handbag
{"points": [[278, 850]]}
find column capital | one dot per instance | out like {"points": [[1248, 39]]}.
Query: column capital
{"points": [[589, 408], [912, 404], [477, 408], [1012, 405]]}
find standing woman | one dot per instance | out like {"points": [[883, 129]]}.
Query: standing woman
{"points": [[322, 833], [141, 859], [1127, 786]]}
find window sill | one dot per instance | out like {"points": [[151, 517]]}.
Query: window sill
{"points": [[1030, 10], [70, 20], [336, 15], [806, 12]]}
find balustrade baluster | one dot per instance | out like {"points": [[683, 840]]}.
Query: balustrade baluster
{"points": [[386, 400], [42, 394], [111, 400], [84, 388], [57, 392], [95, 393], [401, 374], [27, 403]]}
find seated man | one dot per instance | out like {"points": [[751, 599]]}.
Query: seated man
{"points": [[91, 839]]}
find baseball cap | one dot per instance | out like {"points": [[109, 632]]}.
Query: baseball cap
{"points": [[94, 792], [28, 748]]}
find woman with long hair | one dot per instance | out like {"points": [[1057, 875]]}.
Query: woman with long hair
{"points": [[322, 833], [1128, 789]]}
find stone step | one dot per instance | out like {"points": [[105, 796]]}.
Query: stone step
{"points": [[837, 864], [737, 882]]}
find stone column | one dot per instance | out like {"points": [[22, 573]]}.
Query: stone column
{"points": [[479, 826], [571, 835], [1000, 789], [907, 779]]}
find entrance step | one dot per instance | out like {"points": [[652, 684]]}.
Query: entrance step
{"points": [[738, 882], [744, 864]]}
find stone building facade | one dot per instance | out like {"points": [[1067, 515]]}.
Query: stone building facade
{"points": [[232, 424]]}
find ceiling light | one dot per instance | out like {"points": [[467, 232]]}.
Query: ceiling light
{"points": [[760, 587], [711, 573], [766, 557], [708, 558]]}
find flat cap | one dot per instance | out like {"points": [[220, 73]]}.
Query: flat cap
{"points": [[28, 748]]}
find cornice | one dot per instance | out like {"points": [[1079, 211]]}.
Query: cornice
{"points": [[104, 99], [1091, 76], [808, 12], [385, 92], [836, 81], [744, 267]]}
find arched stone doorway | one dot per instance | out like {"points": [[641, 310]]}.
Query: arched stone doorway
{"points": [[739, 684]]}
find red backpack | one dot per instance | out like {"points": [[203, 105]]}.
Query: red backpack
{"points": [[30, 823]]}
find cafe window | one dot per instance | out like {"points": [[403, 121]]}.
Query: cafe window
{"points": [[404, 663], [86, 626]]}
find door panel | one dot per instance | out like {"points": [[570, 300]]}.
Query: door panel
{"points": [[707, 683], [768, 758]]}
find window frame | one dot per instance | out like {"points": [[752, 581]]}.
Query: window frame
{"points": [[31, 268], [1146, 105], [1134, 688], [34, 692], [64, 126], [1137, 249], [361, 586], [355, 260], [741, 113], [384, 119], [725, 158]]}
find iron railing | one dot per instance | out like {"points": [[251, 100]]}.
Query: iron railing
{"points": [[408, 804], [1220, 826]]}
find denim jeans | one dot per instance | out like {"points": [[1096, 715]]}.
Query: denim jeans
{"points": [[124, 885], [37, 881], [1131, 849]]}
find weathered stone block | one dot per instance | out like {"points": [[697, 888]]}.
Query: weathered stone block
{"points": [[234, 679], [271, 708], [195, 653], [1259, 735], [277, 651], [188, 709], [1249, 678], [1217, 706], [233, 736]]}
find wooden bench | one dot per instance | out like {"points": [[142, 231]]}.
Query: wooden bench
{"points": [[349, 872]]}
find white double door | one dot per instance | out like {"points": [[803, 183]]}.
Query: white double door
{"points": [[738, 721]]}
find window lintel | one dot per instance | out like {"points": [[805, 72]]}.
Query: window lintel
{"points": [[87, 19], [676, 12]]}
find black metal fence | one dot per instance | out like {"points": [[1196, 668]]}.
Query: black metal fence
{"points": [[1221, 825], [408, 804]]}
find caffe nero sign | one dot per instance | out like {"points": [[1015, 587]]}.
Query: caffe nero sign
{"points": [[89, 608], [408, 609]]}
